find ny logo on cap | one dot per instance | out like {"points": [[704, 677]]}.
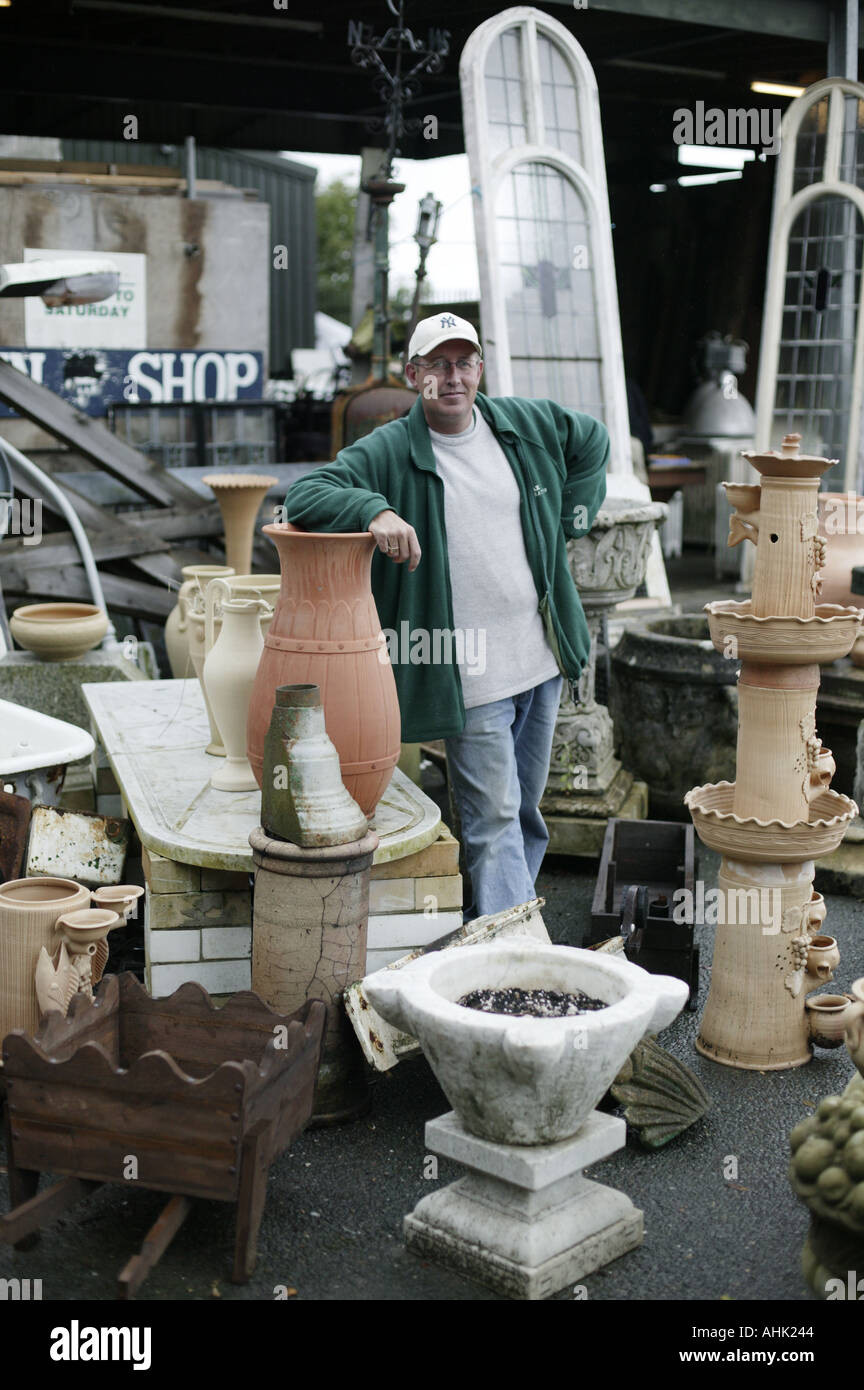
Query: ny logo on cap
{"points": [[448, 321]]}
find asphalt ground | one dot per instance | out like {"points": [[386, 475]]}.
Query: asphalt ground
{"points": [[335, 1204]]}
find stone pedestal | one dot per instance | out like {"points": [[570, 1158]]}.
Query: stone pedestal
{"points": [[310, 911], [586, 781], [525, 1221]]}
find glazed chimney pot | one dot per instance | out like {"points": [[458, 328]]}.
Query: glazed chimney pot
{"points": [[326, 632]]}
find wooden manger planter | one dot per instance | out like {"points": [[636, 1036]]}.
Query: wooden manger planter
{"points": [[203, 1099]]}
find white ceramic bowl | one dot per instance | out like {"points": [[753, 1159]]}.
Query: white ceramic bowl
{"points": [[524, 1080]]}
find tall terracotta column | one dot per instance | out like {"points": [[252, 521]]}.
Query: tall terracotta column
{"points": [[780, 814]]}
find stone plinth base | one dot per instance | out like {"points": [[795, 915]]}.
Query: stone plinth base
{"points": [[525, 1221], [577, 823]]}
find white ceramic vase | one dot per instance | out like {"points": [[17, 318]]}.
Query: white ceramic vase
{"points": [[228, 676], [195, 579]]}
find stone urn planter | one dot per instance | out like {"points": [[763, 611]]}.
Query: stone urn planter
{"points": [[674, 701], [525, 1080], [524, 1220]]}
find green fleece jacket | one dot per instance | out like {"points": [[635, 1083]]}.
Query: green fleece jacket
{"points": [[558, 457]]}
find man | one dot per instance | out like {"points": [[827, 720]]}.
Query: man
{"points": [[470, 501]]}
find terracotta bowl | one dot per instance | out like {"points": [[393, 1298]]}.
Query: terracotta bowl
{"points": [[58, 631], [768, 842], [825, 637], [826, 1015]]}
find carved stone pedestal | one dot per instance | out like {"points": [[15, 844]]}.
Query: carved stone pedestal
{"points": [[586, 782], [524, 1221]]}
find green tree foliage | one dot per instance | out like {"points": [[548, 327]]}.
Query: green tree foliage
{"points": [[334, 214]]}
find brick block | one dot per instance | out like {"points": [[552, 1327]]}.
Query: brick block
{"points": [[168, 875], [222, 943], [217, 976], [406, 930], [441, 857], [392, 895], [166, 910], [172, 946], [446, 889], [224, 881]]}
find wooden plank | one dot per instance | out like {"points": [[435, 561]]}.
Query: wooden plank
{"points": [[153, 1247], [250, 1202], [91, 438], [194, 1170], [124, 595], [28, 1218], [86, 166]]}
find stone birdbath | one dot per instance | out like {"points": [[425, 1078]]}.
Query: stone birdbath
{"points": [[524, 1090], [587, 784]]}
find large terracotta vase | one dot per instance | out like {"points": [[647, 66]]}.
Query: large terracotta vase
{"points": [[326, 632], [29, 909]]}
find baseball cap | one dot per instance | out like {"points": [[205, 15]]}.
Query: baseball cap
{"points": [[441, 328]]}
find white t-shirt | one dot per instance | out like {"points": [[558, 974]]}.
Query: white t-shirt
{"points": [[503, 648]]}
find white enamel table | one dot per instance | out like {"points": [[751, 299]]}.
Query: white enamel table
{"points": [[154, 734]]}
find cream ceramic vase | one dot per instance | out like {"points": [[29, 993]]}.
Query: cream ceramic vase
{"points": [[204, 619], [29, 909], [240, 496], [198, 655], [228, 676], [195, 578]]}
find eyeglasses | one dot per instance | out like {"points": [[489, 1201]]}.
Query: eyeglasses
{"points": [[441, 365]]}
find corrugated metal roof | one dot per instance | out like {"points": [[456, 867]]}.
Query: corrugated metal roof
{"points": [[286, 186]]}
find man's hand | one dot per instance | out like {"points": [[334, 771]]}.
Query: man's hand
{"points": [[396, 539]]}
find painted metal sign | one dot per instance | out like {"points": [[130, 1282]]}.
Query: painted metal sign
{"points": [[118, 322], [91, 379]]}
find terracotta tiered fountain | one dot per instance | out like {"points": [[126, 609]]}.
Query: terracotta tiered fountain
{"points": [[780, 814]]}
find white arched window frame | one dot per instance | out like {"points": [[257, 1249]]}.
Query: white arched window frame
{"points": [[788, 207], [587, 178]]}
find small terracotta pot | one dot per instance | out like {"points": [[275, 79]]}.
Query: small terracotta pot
{"points": [[118, 897], [822, 956], [814, 914], [826, 1018], [29, 908], [58, 631]]}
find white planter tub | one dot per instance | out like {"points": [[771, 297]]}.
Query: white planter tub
{"points": [[525, 1080]]}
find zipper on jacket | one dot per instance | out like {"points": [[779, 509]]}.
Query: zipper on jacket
{"points": [[450, 613]]}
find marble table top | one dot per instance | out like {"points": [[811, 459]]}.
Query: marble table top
{"points": [[154, 734]]}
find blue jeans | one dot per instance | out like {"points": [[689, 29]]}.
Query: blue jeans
{"points": [[498, 768]]}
